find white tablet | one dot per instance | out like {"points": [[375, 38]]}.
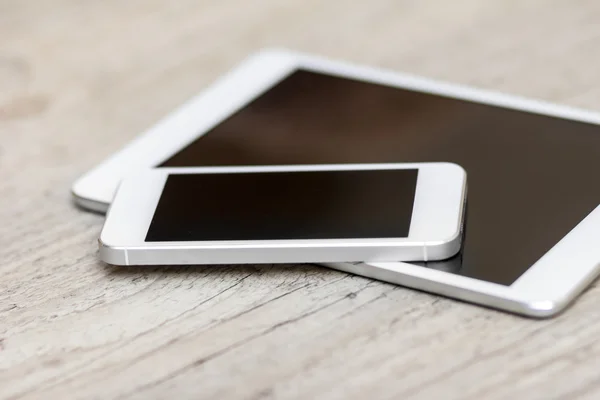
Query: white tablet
{"points": [[307, 93], [543, 290], [531, 165]]}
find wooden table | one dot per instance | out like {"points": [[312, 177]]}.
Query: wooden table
{"points": [[79, 79]]}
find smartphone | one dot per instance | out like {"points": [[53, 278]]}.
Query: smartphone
{"points": [[531, 164], [287, 214]]}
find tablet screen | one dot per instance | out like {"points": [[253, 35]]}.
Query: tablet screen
{"points": [[532, 178]]}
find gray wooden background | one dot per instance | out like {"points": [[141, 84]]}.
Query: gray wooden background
{"points": [[79, 79]]}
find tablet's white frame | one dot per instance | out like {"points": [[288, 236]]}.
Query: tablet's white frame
{"points": [[543, 290], [435, 228], [95, 189]]}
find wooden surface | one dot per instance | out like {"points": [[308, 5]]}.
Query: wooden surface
{"points": [[78, 79]]}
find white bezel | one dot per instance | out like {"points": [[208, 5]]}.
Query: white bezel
{"points": [[435, 224], [543, 290], [193, 119]]}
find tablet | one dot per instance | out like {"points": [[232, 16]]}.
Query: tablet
{"points": [[531, 165]]}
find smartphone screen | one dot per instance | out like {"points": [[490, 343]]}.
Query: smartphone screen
{"points": [[532, 178], [363, 204]]}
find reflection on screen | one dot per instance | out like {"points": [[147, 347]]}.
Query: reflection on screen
{"points": [[531, 177]]}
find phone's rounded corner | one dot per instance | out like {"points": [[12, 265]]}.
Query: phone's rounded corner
{"points": [[451, 165], [458, 168], [445, 249], [111, 254]]}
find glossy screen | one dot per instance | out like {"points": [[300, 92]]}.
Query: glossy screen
{"points": [[285, 206]]}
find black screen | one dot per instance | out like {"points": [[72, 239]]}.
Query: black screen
{"points": [[532, 178], [285, 205]]}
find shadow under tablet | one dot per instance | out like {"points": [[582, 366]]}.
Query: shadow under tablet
{"points": [[532, 178]]}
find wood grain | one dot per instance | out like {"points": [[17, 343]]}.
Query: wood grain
{"points": [[79, 79]]}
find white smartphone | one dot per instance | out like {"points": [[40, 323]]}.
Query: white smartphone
{"points": [[287, 214], [532, 165]]}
